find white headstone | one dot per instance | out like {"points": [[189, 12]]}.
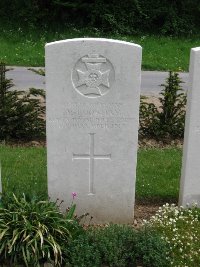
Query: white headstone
{"points": [[190, 179], [93, 93]]}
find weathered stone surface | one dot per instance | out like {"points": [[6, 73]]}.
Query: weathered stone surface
{"points": [[93, 91], [190, 179]]}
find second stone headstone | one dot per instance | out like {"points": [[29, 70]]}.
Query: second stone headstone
{"points": [[190, 177]]}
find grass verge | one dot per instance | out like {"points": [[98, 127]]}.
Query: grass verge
{"points": [[158, 175], [25, 47], [24, 170], [158, 172]]}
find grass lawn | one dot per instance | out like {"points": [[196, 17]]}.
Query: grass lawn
{"points": [[26, 47], [24, 170], [158, 172]]}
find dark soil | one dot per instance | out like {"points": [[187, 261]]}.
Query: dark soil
{"points": [[144, 212]]}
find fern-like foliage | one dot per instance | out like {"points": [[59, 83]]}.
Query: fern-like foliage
{"points": [[21, 112], [167, 120]]}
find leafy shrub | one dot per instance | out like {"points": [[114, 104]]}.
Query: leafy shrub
{"points": [[34, 232], [151, 249], [21, 113], [83, 252], [168, 120], [116, 244], [112, 245], [180, 228]]}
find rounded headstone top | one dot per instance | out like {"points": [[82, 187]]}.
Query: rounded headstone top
{"points": [[93, 40]]}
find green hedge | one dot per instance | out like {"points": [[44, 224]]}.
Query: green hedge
{"points": [[172, 17]]}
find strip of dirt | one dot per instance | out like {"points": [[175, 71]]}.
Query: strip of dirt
{"points": [[144, 212]]}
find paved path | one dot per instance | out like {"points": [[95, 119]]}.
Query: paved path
{"points": [[24, 79]]}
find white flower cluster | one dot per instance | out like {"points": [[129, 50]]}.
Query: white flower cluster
{"points": [[180, 228]]}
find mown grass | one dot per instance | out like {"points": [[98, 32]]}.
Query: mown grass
{"points": [[158, 172], [25, 47], [24, 170]]}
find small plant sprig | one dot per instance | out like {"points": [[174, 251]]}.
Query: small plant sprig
{"points": [[38, 71], [168, 120]]}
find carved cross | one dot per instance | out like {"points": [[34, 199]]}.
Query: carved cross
{"points": [[91, 157]]}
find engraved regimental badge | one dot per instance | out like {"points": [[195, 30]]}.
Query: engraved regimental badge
{"points": [[93, 76]]}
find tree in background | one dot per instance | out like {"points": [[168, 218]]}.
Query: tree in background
{"points": [[172, 17]]}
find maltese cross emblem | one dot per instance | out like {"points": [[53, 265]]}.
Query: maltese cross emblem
{"points": [[93, 77]]}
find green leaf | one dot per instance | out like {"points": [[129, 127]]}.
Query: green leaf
{"points": [[71, 211]]}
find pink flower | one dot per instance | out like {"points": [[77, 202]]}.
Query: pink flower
{"points": [[74, 194]]}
